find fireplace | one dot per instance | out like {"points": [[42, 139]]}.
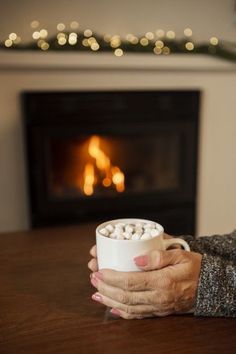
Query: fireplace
{"points": [[101, 155]]}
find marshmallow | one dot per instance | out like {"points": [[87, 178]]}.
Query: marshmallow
{"points": [[112, 235], [120, 224], [150, 225], [139, 231], [118, 230], [139, 224], [136, 237], [129, 228], [127, 235], [104, 232], [109, 228], [146, 236]]}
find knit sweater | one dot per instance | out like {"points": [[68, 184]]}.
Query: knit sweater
{"points": [[216, 294]]}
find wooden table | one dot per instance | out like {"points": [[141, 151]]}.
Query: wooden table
{"points": [[46, 306]]}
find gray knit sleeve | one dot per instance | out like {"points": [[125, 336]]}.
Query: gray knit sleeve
{"points": [[216, 294], [223, 246]]}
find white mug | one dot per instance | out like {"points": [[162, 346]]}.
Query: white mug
{"points": [[119, 254]]}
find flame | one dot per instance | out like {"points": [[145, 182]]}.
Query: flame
{"points": [[118, 178], [105, 169], [88, 179], [102, 161]]}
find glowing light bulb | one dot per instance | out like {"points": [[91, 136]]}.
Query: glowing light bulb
{"points": [[88, 33], [36, 35], [107, 37], [134, 40], [118, 52], [170, 34], [61, 27], [188, 32], [95, 46], [85, 42], [8, 43], [214, 40], [144, 41], [62, 41], [115, 41], [159, 44], [43, 33], [12, 36], [189, 46], [34, 24], [45, 46], [157, 50], [166, 50], [160, 33], [72, 40], [61, 35], [149, 36], [40, 43], [74, 25]]}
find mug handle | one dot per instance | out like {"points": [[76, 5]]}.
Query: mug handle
{"points": [[178, 241]]}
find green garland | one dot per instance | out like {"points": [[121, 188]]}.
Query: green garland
{"points": [[222, 50]]}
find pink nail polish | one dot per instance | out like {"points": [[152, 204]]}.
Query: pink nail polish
{"points": [[98, 275], [141, 261], [94, 282], [115, 312], [97, 297]]}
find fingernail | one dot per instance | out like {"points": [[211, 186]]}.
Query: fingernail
{"points": [[98, 275], [94, 281], [115, 312], [97, 297], [141, 261]]}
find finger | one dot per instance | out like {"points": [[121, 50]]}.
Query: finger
{"points": [[157, 259], [132, 281], [124, 296], [129, 309], [93, 251], [93, 265], [128, 316]]}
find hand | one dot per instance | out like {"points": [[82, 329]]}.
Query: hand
{"points": [[167, 285]]}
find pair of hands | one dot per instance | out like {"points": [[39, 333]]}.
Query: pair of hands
{"points": [[167, 284]]}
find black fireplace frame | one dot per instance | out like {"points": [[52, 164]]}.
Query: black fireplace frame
{"points": [[65, 114]]}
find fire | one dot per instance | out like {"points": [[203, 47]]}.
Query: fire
{"points": [[88, 179], [118, 178], [106, 173]]}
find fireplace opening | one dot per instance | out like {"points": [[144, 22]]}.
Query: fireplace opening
{"points": [[108, 166], [101, 155]]}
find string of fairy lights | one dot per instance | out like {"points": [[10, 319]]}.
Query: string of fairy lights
{"points": [[159, 42]]}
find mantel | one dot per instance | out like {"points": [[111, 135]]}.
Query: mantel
{"points": [[31, 60]]}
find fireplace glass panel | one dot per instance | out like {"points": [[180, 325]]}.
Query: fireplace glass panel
{"points": [[94, 166]]}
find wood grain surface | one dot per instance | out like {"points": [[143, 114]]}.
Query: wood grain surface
{"points": [[46, 306]]}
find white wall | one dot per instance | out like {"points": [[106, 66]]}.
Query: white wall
{"points": [[216, 192], [205, 17], [217, 157]]}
